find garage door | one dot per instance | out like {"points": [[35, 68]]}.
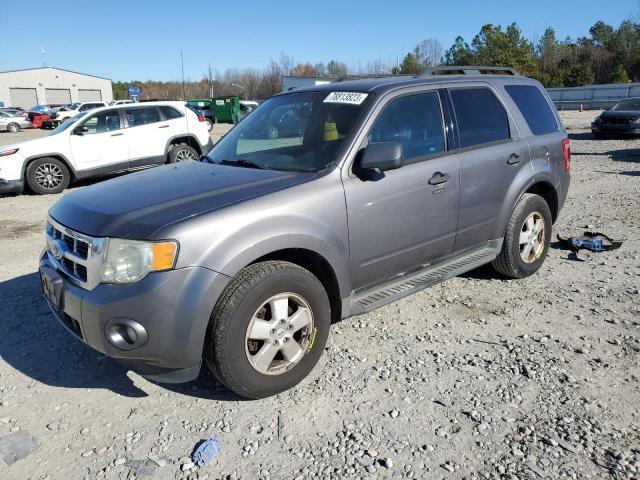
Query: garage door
{"points": [[23, 97], [89, 95], [57, 96]]}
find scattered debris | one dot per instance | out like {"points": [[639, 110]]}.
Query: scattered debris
{"points": [[207, 451]]}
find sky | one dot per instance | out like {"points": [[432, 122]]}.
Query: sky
{"points": [[142, 39]]}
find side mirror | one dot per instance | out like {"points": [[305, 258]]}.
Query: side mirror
{"points": [[81, 130], [382, 156]]}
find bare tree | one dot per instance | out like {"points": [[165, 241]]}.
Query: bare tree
{"points": [[429, 52]]}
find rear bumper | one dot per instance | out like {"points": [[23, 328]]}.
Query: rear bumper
{"points": [[11, 186], [173, 307]]}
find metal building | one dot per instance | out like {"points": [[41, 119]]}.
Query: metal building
{"points": [[49, 85], [593, 96]]}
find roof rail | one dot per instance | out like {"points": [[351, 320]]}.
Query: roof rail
{"points": [[467, 70]]}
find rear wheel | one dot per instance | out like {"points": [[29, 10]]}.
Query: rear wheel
{"points": [[527, 237], [268, 329], [13, 128], [182, 153], [47, 176]]}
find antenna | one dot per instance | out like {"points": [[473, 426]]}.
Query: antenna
{"points": [[44, 56]]}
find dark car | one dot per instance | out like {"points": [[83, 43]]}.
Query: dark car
{"points": [[370, 190], [623, 119]]}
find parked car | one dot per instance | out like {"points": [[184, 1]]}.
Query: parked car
{"points": [[121, 102], [242, 261], [623, 119], [14, 111], [11, 122], [68, 111], [47, 109], [39, 119], [101, 141]]}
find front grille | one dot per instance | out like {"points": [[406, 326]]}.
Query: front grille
{"points": [[77, 256], [73, 243]]}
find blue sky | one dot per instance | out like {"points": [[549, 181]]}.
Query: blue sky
{"points": [[142, 39]]}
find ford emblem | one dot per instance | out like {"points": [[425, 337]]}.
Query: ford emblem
{"points": [[57, 248]]}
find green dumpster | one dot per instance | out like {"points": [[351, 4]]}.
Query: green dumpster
{"points": [[226, 109]]}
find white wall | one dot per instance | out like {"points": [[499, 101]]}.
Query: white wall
{"points": [[42, 78]]}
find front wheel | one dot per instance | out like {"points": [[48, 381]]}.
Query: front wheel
{"points": [[268, 329], [526, 239], [47, 176]]}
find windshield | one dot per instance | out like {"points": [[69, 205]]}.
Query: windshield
{"points": [[67, 123], [627, 106], [295, 132]]}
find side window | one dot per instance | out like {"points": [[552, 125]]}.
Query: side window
{"points": [[106, 121], [142, 116], [481, 117], [534, 108], [170, 113], [415, 121]]}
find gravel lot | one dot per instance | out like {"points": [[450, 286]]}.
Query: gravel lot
{"points": [[478, 377]]}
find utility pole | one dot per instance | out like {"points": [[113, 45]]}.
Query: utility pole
{"points": [[211, 79], [44, 57], [184, 92]]}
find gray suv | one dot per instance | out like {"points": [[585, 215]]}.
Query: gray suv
{"points": [[370, 191]]}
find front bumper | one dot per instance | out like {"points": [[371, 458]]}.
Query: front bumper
{"points": [[174, 308], [11, 186], [613, 129]]}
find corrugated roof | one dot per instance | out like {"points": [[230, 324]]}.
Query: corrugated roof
{"points": [[54, 68]]}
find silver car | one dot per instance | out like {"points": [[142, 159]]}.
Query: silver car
{"points": [[10, 122]]}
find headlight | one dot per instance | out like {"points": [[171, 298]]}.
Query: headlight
{"points": [[128, 261], [6, 153]]}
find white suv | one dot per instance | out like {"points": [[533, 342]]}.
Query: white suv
{"points": [[66, 112], [104, 140]]}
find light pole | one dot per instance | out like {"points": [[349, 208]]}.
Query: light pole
{"points": [[244, 89]]}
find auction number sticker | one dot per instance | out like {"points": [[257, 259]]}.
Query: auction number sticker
{"points": [[353, 98]]}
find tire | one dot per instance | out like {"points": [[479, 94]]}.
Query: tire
{"points": [[182, 152], [229, 351], [48, 176], [209, 125], [518, 260], [13, 128]]}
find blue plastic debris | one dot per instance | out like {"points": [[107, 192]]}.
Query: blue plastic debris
{"points": [[207, 451]]}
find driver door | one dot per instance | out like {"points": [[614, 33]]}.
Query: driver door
{"points": [[403, 219], [100, 141]]}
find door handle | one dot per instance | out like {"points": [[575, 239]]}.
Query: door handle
{"points": [[117, 134], [163, 126], [439, 178], [513, 159]]}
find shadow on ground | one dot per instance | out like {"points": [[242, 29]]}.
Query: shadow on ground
{"points": [[35, 344]]}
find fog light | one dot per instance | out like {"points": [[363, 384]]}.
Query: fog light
{"points": [[125, 334]]}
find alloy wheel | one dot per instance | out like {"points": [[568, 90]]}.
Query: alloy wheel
{"points": [[183, 155], [49, 176], [279, 333], [532, 236]]}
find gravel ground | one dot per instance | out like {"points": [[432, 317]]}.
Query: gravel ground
{"points": [[478, 377]]}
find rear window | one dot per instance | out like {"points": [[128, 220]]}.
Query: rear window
{"points": [[142, 116], [480, 116], [534, 108], [170, 113]]}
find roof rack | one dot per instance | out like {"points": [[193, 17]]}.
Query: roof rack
{"points": [[467, 70]]}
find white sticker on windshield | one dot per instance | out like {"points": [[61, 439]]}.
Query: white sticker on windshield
{"points": [[353, 98]]}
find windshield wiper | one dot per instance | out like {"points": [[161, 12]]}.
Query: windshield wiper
{"points": [[242, 163]]}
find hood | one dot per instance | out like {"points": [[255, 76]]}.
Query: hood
{"points": [[138, 204], [37, 146]]}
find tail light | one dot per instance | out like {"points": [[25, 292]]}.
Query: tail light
{"points": [[566, 151], [201, 117]]}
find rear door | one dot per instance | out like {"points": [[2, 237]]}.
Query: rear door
{"points": [[545, 134], [147, 138], [492, 153], [101, 142], [402, 219]]}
